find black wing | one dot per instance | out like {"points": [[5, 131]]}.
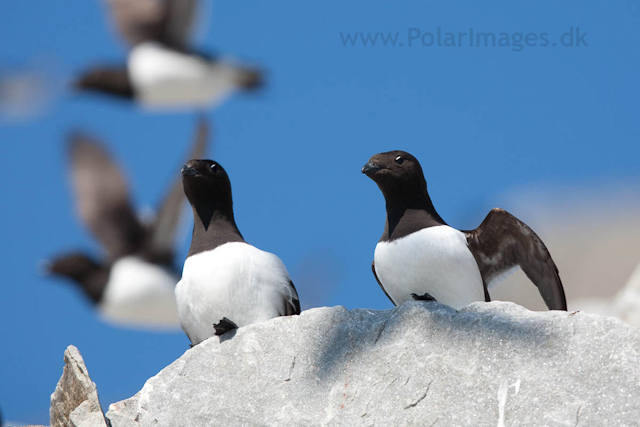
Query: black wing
{"points": [[179, 19], [91, 275], [165, 227], [102, 198], [502, 242], [291, 302], [373, 268], [166, 21]]}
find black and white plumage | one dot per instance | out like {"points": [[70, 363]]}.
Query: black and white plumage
{"points": [[162, 70], [226, 282], [420, 257], [133, 285]]}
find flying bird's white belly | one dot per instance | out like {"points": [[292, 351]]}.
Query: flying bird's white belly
{"points": [[434, 260], [165, 78], [140, 294], [234, 280]]}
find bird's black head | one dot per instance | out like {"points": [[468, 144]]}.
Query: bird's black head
{"points": [[205, 181], [208, 188], [396, 173], [409, 208]]}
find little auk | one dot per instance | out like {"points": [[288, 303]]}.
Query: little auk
{"points": [[133, 285], [420, 257], [162, 70], [226, 283]]}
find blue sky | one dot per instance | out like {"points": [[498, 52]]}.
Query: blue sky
{"points": [[483, 121]]}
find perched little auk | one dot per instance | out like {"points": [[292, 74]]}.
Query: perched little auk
{"points": [[162, 70], [226, 283], [133, 285], [419, 256]]}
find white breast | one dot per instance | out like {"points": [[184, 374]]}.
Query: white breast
{"points": [[235, 280], [434, 260], [140, 294], [165, 78]]}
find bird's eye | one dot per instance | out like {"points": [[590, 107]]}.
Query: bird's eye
{"points": [[399, 160], [213, 167]]}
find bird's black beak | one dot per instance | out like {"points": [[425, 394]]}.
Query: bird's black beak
{"points": [[370, 168], [189, 171]]}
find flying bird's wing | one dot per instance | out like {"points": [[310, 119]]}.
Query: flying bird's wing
{"points": [[137, 21], [165, 21], [87, 272], [291, 301], [167, 220], [102, 198], [373, 268], [180, 16], [503, 242]]}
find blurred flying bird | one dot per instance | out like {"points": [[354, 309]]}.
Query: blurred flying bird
{"points": [[419, 256], [163, 71], [134, 284]]}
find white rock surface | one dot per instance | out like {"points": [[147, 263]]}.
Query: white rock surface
{"points": [[421, 364], [75, 401]]}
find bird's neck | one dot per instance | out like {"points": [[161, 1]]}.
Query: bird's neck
{"points": [[408, 214], [213, 226]]}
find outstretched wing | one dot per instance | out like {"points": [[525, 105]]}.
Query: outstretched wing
{"points": [[89, 274], [180, 17], [503, 242], [165, 227], [165, 21], [102, 197], [291, 301], [373, 268]]}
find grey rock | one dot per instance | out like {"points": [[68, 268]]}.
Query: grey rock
{"points": [[120, 412], [420, 364], [75, 403], [86, 415]]}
